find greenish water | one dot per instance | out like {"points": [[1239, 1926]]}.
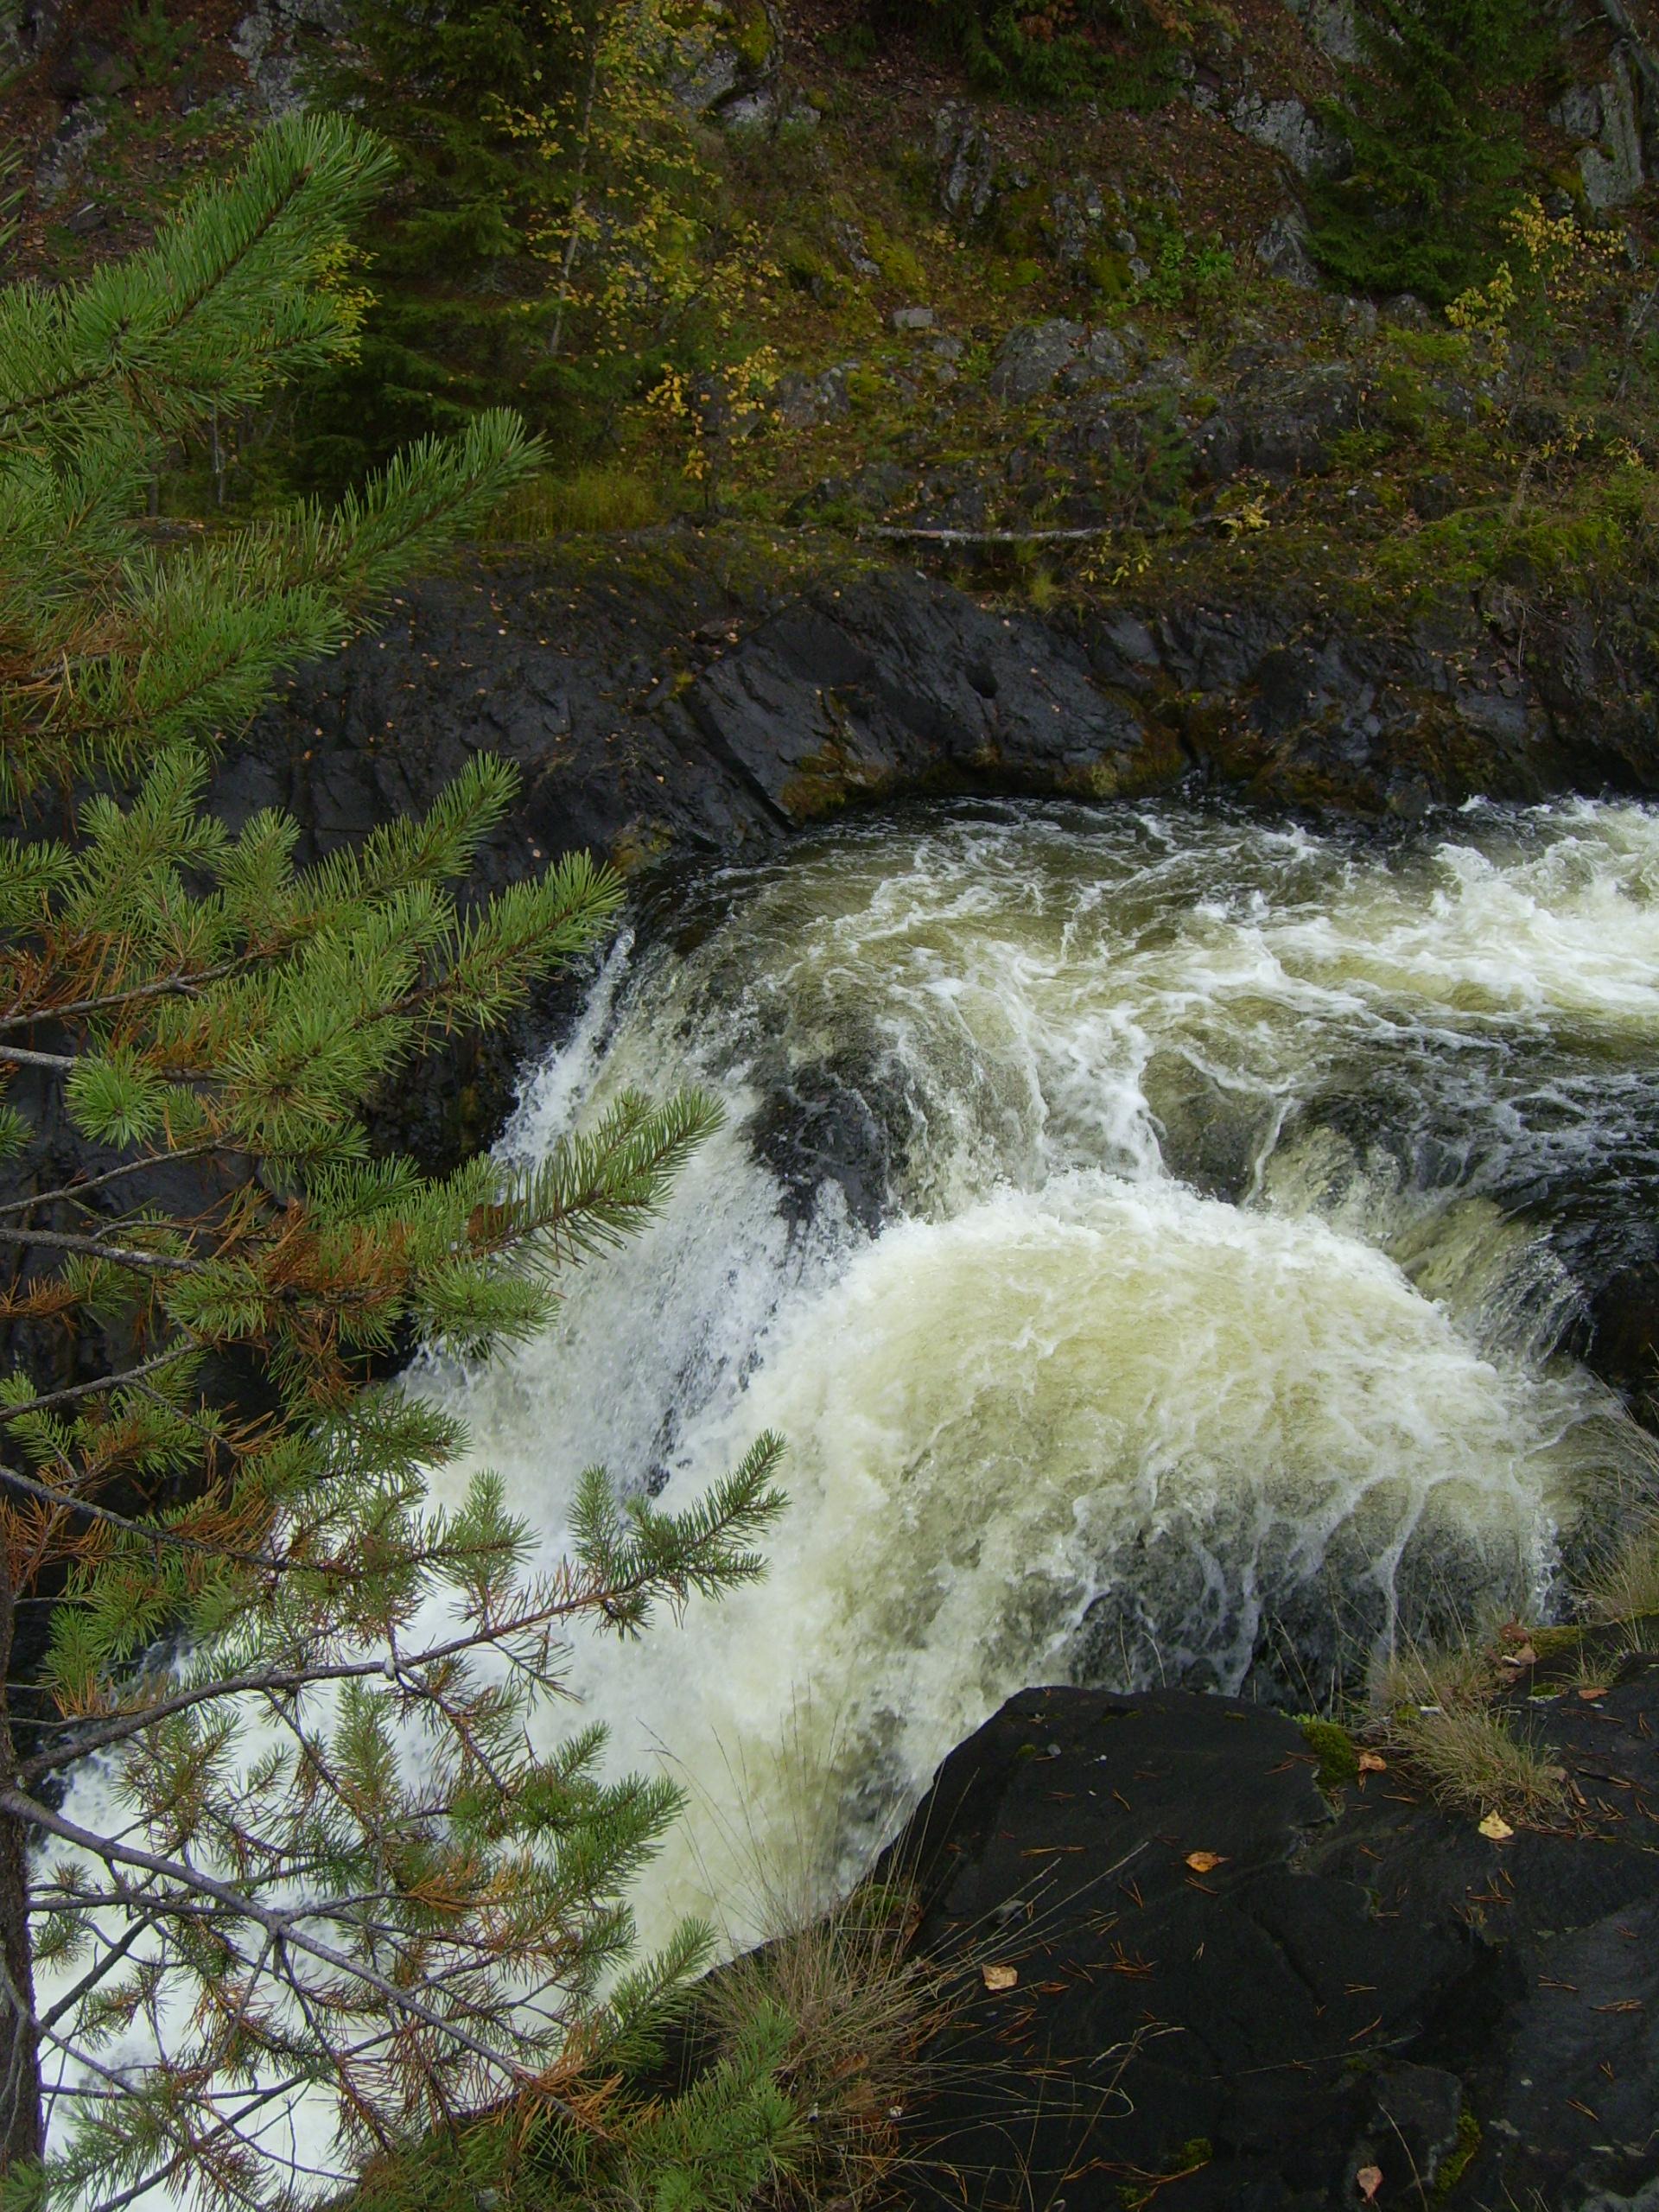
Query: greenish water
{"points": [[1159, 1234]]}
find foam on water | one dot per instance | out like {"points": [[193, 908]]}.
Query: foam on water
{"points": [[1130, 1219], [1163, 1363]]}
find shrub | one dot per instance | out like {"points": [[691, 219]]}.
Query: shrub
{"points": [[590, 502]]}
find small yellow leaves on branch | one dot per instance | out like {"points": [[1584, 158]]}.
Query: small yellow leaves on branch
{"points": [[1563, 263]]}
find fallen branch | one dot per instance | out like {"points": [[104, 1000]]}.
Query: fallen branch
{"points": [[985, 536]]}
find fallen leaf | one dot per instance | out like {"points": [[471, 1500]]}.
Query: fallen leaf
{"points": [[1205, 1862], [1372, 1763], [1495, 1828], [1369, 2180], [1592, 1692], [997, 1978], [1526, 1657]]}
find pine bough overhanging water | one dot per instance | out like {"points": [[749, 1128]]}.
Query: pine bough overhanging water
{"points": [[333, 1858]]}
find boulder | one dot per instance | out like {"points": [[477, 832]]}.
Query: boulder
{"points": [[1611, 168], [1187, 1966], [1282, 251], [964, 158], [1030, 359], [1287, 127]]}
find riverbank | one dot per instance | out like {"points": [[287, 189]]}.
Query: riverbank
{"points": [[703, 693]]}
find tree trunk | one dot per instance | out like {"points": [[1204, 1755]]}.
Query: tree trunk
{"points": [[22, 2136]]}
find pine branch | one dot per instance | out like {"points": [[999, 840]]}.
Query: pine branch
{"points": [[63, 1240], [75, 1193], [150, 1533], [285, 1925]]}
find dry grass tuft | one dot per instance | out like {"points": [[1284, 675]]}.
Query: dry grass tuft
{"points": [[1412, 1676], [1476, 1761], [1627, 1587], [862, 2010]]}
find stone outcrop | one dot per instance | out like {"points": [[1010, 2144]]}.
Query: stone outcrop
{"points": [[652, 707], [1239, 1994]]}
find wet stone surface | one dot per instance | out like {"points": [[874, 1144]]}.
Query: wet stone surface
{"points": [[1332, 1996]]}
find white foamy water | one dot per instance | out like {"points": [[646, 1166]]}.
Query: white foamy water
{"points": [[1111, 1215], [1156, 1233]]}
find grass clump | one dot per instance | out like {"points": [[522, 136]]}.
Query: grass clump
{"points": [[1475, 1760], [859, 2010], [591, 503], [1442, 1717], [1625, 1589]]}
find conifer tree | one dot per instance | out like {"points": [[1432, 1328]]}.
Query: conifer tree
{"points": [[1437, 149], [557, 232], [342, 1850]]}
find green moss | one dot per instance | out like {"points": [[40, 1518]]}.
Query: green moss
{"points": [[1107, 273], [1193, 2154], [901, 266], [1458, 2159], [592, 501], [1546, 1640], [751, 37], [1334, 1748], [1358, 449], [809, 269], [639, 845]]}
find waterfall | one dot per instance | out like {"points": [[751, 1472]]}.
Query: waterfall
{"points": [[1161, 1235], [1131, 1220]]}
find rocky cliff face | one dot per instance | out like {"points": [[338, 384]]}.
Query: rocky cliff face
{"points": [[654, 707]]}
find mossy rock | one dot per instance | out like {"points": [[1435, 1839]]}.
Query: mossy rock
{"points": [[1459, 2159], [1334, 1748], [901, 266], [1107, 274], [752, 36]]}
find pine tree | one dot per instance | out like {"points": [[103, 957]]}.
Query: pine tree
{"points": [[556, 234], [1437, 153], [333, 1859]]}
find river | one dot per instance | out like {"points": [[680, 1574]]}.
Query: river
{"points": [[1161, 1234]]}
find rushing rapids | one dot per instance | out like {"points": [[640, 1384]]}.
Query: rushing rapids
{"points": [[1149, 1227], [1160, 1235]]}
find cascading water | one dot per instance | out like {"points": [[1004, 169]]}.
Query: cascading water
{"points": [[1125, 1216], [1157, 1233]]}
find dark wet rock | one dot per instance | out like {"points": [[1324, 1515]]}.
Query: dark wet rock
{"points": [[87, 68], [1327, 1988], [652, 707], [1281, 422], [826, 1125]]}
